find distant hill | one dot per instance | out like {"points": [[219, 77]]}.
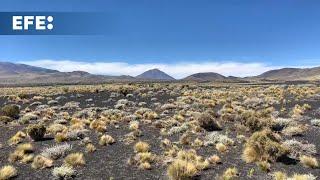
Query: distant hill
{"points": [[15, 74], [155, 74], [9, 69], [206, 76], [291, 74], [212, 76]]}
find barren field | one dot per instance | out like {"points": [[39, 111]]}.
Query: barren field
{"points": [[171, 131]]}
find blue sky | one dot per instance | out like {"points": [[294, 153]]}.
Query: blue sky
{"points": [[264, 34]]}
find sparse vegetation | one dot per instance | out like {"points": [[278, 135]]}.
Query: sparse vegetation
{"points": [[181, 131]]}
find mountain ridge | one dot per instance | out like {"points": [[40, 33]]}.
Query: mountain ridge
{"points": [[11, 73], [293, 74]]}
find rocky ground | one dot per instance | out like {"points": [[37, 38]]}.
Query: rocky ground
{"points": [[161, 131]]}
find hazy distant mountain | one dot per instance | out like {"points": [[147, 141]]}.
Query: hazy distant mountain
{"points": [[291, 74], [12, 74], [154, 74], [8, 69]]}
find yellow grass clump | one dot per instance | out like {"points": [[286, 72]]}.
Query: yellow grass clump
{"points": [[75, 159], [17, 138], [181, 169], [221, 147], [41, 162], [106, 139], [90, 148], [230, 173], [141, 147], [8, 172], [309, 161], [279, 175]]}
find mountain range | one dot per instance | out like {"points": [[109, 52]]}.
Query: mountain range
{"points": [[17, 74], [292, 74], [11, 74]]}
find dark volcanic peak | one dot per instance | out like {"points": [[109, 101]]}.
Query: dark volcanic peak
{"points": [[205, 76], [155, 74]]}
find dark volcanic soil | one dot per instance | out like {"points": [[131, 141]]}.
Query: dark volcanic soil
{"points": [[110, 162]]}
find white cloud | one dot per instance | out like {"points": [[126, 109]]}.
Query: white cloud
{"points": [[177, 70]]}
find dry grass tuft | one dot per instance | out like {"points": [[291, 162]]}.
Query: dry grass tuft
{"points": [[221, 147], [309, 161], [75, 159], [22, 153], [98, 125], [41, 162], [250, 155], [90, 148], [60, 137], [214, 159], [303, 177], [56, 128], [63, 172], [134, 125], [181, 169], [197, 143], [279, 175], [17, 138], [145, 165], [8, 172], [192, 157], [106, 139], [263, 146], [141, 147], [230, 173], [264, 166], [25, 148]]}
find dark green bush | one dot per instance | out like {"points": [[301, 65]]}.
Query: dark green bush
{"points": [[10, 111], [22, 96], [255, 120], [36, 131], [208, 122]]}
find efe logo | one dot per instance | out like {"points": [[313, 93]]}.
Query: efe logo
{"points": [[32, 22]]}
